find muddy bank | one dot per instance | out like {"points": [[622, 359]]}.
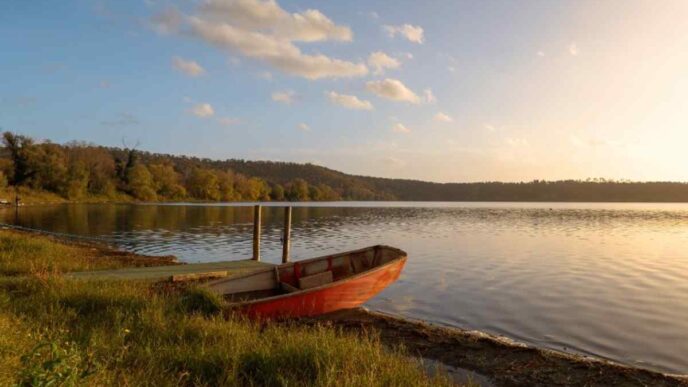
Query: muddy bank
{"points": [[503, 361]]}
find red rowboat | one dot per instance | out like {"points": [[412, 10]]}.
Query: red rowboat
{"points": [[314, 286]]}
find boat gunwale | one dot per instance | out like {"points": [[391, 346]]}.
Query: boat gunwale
{"points": [[402, 257]]}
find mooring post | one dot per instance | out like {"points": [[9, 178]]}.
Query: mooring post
{"points": [[287, 234], [256, 232]]}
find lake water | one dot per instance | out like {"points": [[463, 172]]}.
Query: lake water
{"points": [[603, 279]]}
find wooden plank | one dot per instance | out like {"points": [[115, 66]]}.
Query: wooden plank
{"points": [[315, 280], [163, 273], [251, 282], [198, 276]]}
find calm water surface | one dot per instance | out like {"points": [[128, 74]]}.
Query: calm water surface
{"points": [[603, 279]]}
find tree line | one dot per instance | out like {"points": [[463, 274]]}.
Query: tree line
{"points": [[78, 171]]}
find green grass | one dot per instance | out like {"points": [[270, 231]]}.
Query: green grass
{"points": [[57, 331], [24, 255]]}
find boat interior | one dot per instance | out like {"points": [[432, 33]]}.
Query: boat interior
{"points": [[303, 275]]}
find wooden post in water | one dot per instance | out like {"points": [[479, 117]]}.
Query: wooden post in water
{"points": [[286, 243], [256, 232]]}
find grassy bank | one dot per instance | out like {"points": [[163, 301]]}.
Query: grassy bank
{"points": [[30, 196], [127, 333]]}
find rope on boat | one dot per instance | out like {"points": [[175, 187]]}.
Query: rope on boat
{"points": [[62, 235]]}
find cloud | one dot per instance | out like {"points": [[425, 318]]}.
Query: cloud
{"points": [[380, 61], [400, 128], [167, 22], [263, 31], [256, 15], [490, 127], [573, 49], [540, 53], [394, 90], [123, 119], [349, 101], [265, 75], [428, 97], [411, 33], [304, 127], [188, 67], [285, 97], [443, 117], [203, 110], [227, 121]]}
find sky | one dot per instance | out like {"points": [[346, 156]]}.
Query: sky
{"points": [[447, 91]]}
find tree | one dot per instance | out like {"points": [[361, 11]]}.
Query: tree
{"points": [[297, 190], [21, 149], [277, 192], [226, 181], [203, 184], [166, 181], [141, 183]]}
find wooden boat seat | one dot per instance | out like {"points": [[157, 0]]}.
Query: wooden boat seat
{"points": [[315, 280]]}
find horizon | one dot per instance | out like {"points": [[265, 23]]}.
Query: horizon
{"points": [[450, 92], [590, 179]]}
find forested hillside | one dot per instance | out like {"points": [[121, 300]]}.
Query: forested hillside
{"points": [[79, 171]]}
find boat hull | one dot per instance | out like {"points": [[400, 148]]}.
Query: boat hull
{"points": [[346, 294]]}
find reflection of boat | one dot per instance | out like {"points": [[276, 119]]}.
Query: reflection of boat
{"points": [[314, 286]]}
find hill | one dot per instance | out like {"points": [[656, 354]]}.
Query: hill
{"points": [[78, 171]]}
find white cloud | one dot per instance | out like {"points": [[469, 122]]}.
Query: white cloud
{"points": [[188, 67], [349, 101], [203, 110], [573, 49], [540, 53], [394, 90], [451, 69], [286, 96], [428, 97], [380, 61], [263, 31], [490, 127], [400, 128], [411, 33], [304, 127], [256, 15], [167, 22], [227, 121], [443, 117]]}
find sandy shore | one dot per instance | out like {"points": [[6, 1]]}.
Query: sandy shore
{"points": [[503, 361]]}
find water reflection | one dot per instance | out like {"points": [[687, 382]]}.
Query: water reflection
{"points": [[606, 279]]}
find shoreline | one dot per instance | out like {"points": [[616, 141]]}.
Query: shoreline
{"points": [[502, 361]]}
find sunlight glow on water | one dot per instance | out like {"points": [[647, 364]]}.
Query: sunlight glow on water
{"points": [[599, 278]]}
